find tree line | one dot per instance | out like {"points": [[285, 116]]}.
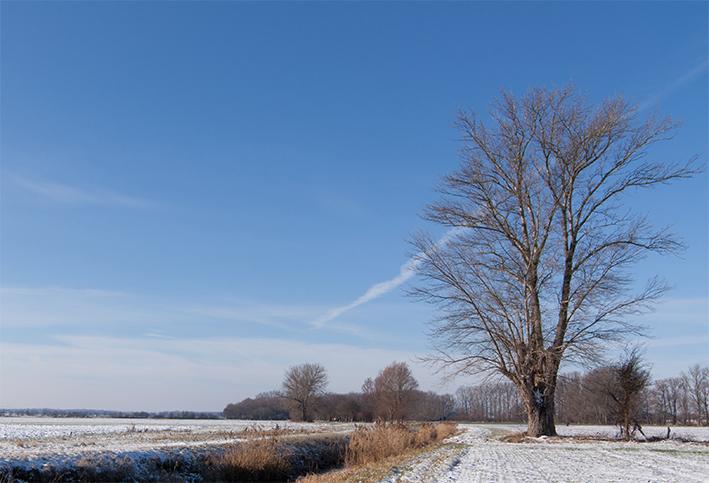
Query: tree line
{"points": [[393, 395], [107, 413], [620, 393]]}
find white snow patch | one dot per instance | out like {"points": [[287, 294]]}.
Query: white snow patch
{"points": [[475, 456]]}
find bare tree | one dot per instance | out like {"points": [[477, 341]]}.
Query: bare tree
{"points": [[369, 398], [629, 379], [661, 401], [696, 380], [302, 384], [674, 393], [535, 267], [490, 401], [394, 390]]}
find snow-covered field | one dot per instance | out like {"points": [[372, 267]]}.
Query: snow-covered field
{"points": [[477, 455], [694, 433], [34, 437]]}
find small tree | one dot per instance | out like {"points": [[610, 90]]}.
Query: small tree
{"points": [[302, 384], [394, 388], [629, 379]]}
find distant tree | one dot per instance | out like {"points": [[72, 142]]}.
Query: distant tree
{"points": [[490, 401], [264, 406], [394, 389], [369, 399], [302, 385], [535, 266], [429, 406], [342, 407], [675, 388], [696, 380], [570, 401]]}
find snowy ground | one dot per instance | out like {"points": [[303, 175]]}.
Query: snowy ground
{"points": [[478, 455], [27, 438]]}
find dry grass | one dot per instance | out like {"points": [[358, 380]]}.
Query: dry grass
{"points": [[373, 451], [260, 459], [371, 444], [276, 456]]}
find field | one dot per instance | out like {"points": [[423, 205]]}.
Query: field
{"points": [[476, 454], [26, 438]]}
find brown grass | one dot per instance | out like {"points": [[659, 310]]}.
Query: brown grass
{"points": [[371, 444], [372, 451], [274, 456], [264, 455], [260, 459]]}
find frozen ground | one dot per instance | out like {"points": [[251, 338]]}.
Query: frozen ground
{"points": [[694, 433], [28, 438], [477, 455]]}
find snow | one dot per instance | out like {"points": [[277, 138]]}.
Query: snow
{"points": [[695, 433], [477, 455]]}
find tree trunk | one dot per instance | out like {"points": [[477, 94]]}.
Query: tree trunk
{"points": [[540, 412]]}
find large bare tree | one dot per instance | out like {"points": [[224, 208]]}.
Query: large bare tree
{"points": [[535, 267], [302, 385], [394, 391]]}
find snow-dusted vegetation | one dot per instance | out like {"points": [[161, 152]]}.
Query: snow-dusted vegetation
{"points": [[28, 438], [40, 449]]}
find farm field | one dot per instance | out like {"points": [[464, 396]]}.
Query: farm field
{"points": [[25, 438]]}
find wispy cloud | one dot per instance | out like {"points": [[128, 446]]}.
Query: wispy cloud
{"points": [[680, 81], [87, 307], [406, 272], [62, 193], [157, 373], [408, 269]]}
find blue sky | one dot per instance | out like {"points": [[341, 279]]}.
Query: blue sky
{"points": [[187, 187]]}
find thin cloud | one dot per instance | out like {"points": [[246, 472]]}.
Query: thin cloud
{"points": [[406, 272], [149, 373], [680, 81], [408, 269], [72, 307], [62, 193]]}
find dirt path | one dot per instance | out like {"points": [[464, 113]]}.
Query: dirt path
{"points": [[475, 455]]}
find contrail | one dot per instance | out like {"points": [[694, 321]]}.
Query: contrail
{"points": [[688, 76], [406, 272], [408, 269]]}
